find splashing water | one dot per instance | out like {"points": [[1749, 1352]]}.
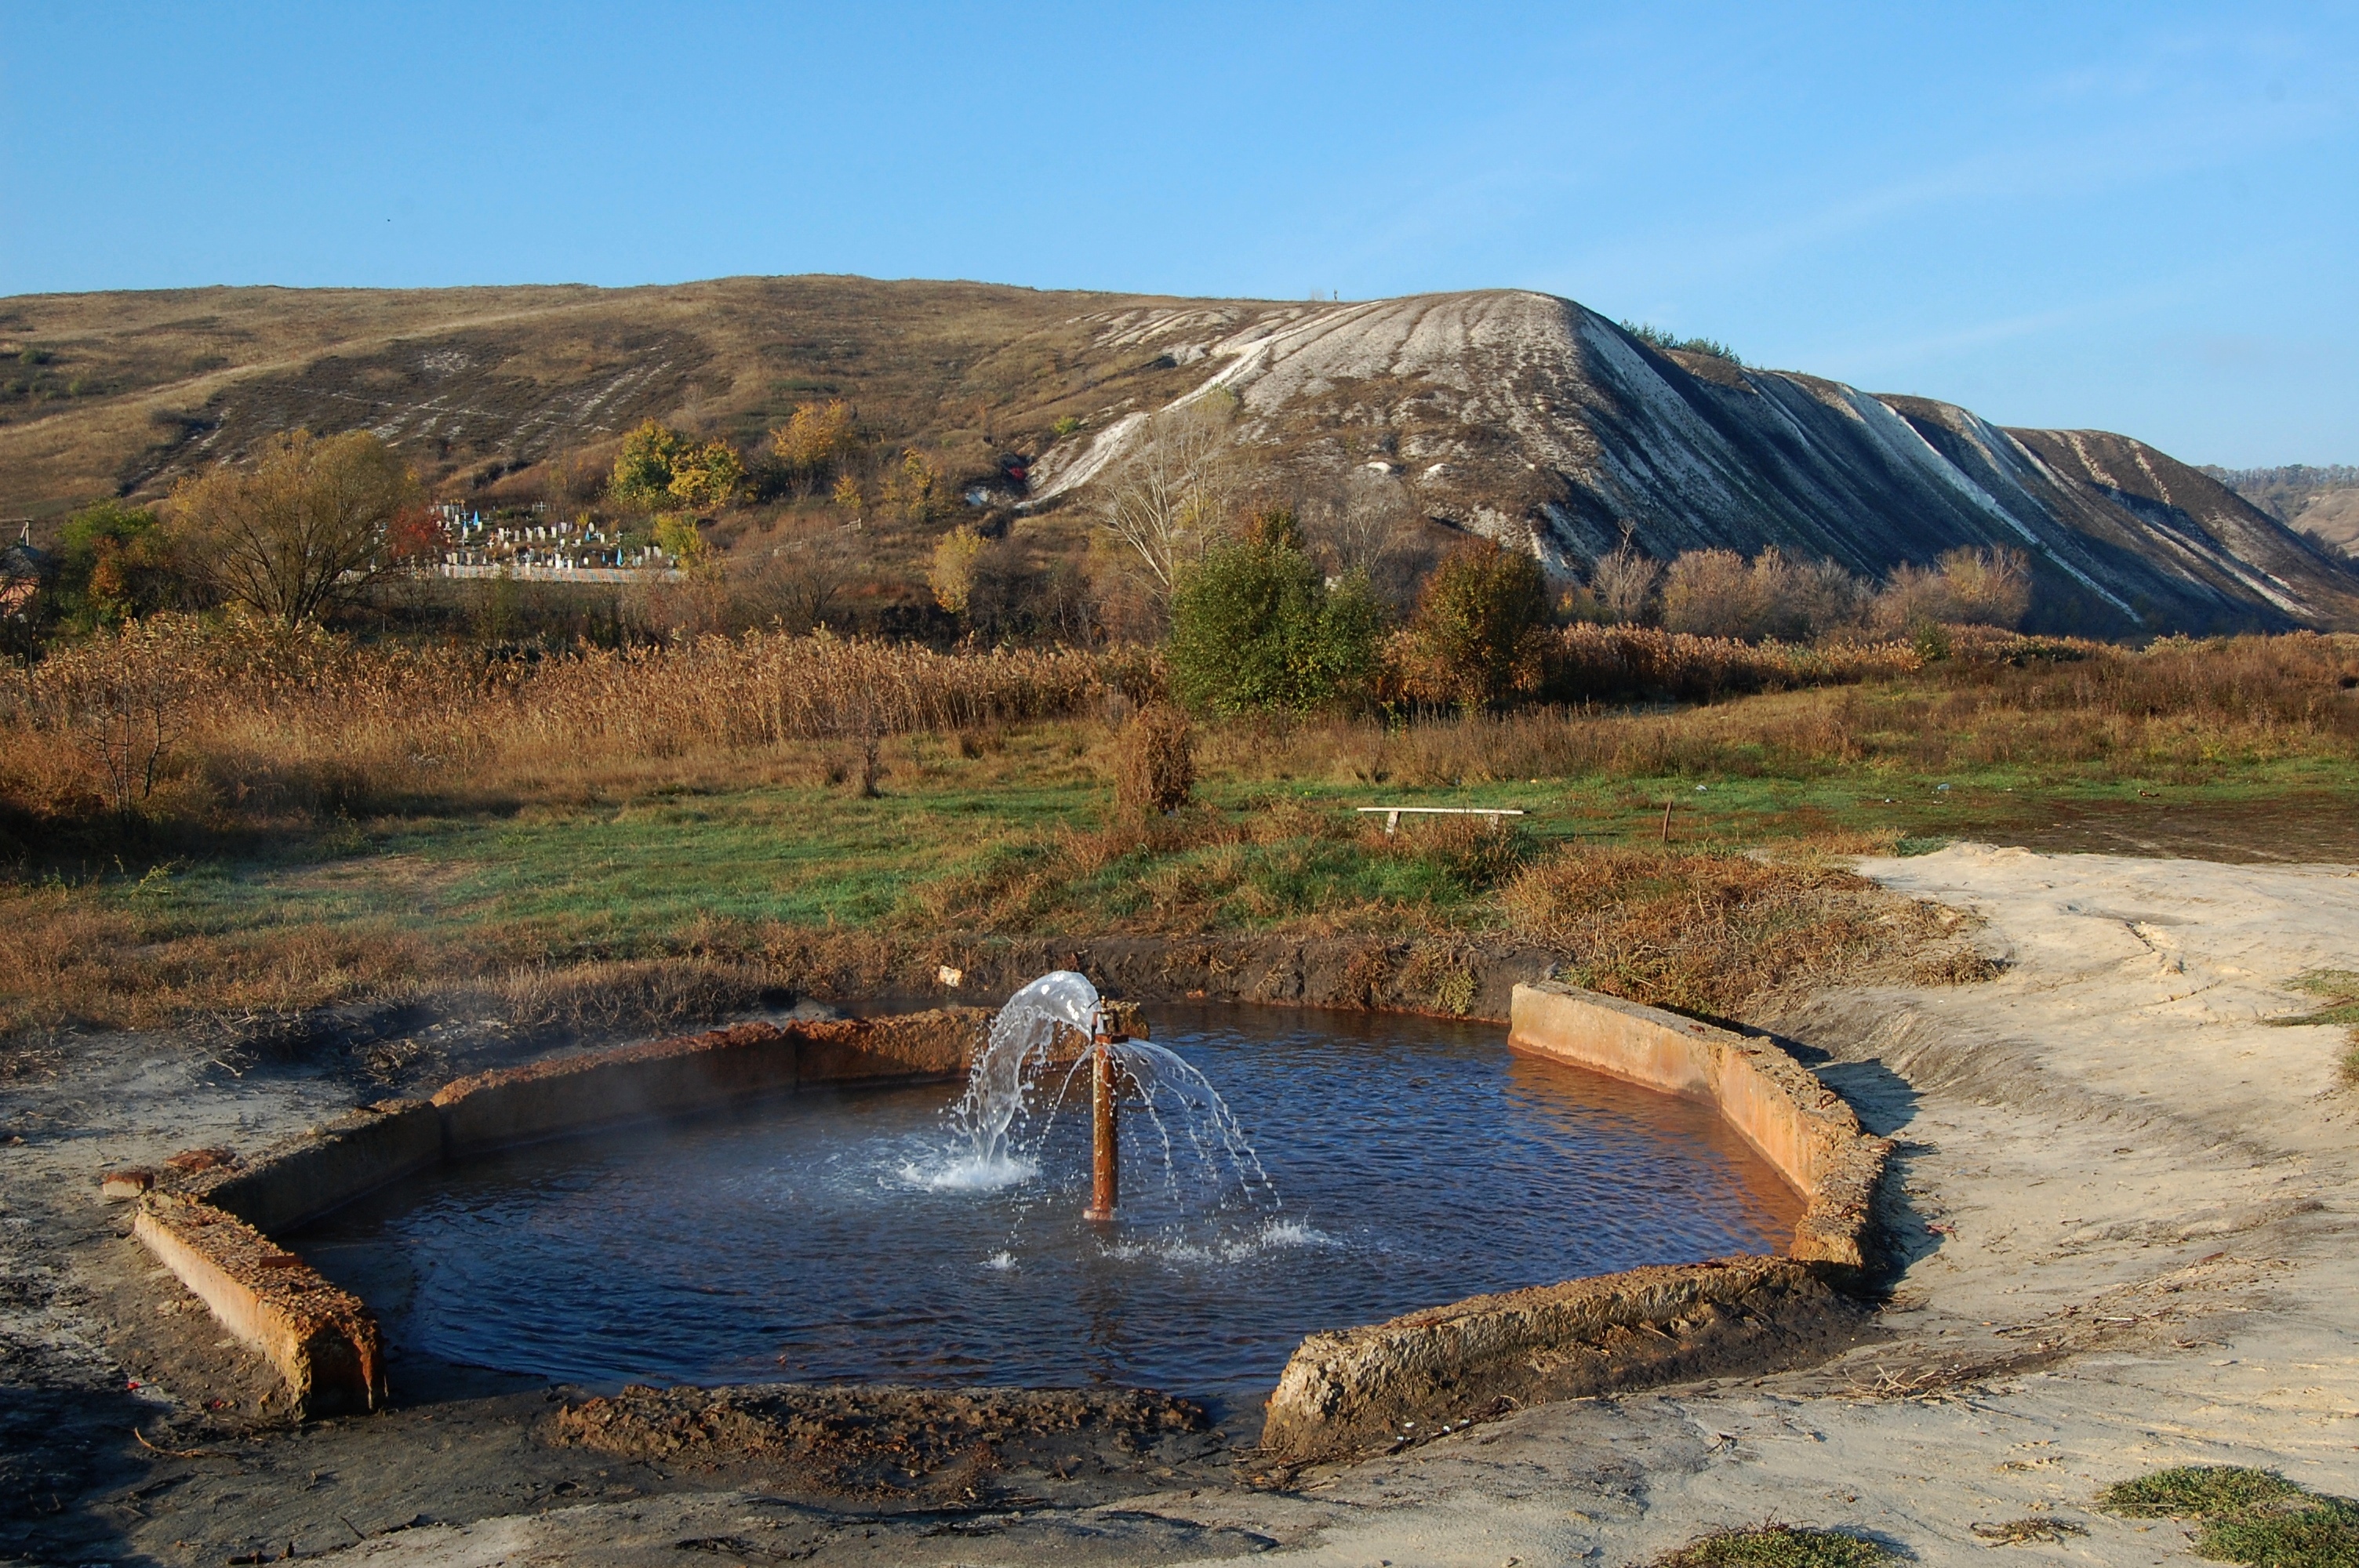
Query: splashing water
{"points": [[1019, 1083]]}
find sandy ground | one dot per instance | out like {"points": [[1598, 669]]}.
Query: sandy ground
{"points": [[2123, 1235]]}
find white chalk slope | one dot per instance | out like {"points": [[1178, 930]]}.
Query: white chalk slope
{"points": [[1535, 420]]}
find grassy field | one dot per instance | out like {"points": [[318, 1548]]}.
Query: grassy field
{"points": [[334, 834]]}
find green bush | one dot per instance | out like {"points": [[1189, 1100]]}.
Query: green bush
{"points": [[1254, 625], [115, 563], [1477, 637], [1655, 336]]}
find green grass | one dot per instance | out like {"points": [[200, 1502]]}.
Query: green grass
{"points": [[726, 854], [629, 876], [617, 879], [2244, 1515]]}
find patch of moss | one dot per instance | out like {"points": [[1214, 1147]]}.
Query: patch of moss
{"points": [[1778, 1546], [2195, 1491], [2244, 1515]]}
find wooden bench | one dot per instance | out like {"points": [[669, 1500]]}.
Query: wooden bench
{"points": [[1393, 814]]}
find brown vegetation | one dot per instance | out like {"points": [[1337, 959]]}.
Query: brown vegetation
{"points": [[1704, 932], [1155, 765], [2183, 710], [150, 739], [176, 717], [253, 722]]}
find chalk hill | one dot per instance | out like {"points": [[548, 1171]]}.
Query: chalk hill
{"points": [[1517, 415]]}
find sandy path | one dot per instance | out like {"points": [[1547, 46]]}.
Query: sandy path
{"points": [[2122, 1202]]}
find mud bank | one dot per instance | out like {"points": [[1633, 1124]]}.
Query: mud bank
{"points": [[1451, 977], [878, 1442]]}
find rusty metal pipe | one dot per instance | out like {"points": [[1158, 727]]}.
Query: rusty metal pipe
{"points": [[1105, 1144]]}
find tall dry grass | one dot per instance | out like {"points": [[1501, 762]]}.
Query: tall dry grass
{"points": [[177, 719], [176, 716], [1591, 661], [2181, 709], [1708, 931]]}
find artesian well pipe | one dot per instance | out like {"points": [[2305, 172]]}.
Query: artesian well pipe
{"points": [[1105, 1144]]}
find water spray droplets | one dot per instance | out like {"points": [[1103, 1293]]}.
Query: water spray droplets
{"points": [[1021, 1082]]}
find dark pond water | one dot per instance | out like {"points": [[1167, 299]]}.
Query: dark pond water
{"points": [[1414, 1162]]}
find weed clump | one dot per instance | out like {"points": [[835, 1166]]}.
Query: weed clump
{"points": [[2030, 1528], [1777, 1545], [1704, 932], [2245, 1515], [1155, 766], [2323, 1534], [2195, 1491]]}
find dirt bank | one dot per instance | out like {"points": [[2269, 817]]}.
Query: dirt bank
{"points": [[2120, 1230]]}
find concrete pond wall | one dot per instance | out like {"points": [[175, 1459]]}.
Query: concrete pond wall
{"points": [[209, 1217], [1357, 1390]]}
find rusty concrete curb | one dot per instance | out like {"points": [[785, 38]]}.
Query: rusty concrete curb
{"points": [[207, 1216], [322, 1340], [1363, 1389]]}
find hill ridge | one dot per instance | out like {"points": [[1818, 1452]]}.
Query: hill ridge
{"points": [[1507, 412]]}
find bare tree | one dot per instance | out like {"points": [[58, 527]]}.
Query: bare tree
{"points": [[1362, 521], [1985, 587], [801, 584], [304, 526], [1624, 578], [1711, 593], [1171, 497]]}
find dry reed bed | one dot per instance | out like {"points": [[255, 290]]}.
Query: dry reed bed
{"points": [[254, 718], [1607, 661], [2180, 709], [176, 718]]}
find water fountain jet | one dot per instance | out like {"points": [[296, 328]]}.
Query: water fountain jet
{"points": [[1023, 1048]]}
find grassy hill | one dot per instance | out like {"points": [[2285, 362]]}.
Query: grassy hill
{"points": [[130, 390]]}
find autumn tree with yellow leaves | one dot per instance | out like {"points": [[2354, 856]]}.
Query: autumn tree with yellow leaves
{"points": [[659, 467], [816, 443], [952, 572], [911, 488]]}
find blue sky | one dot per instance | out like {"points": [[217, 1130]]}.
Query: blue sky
{"points": [[2135, 217]]}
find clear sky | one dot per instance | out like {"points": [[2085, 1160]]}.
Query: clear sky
{"points": [[2141, 217]]}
